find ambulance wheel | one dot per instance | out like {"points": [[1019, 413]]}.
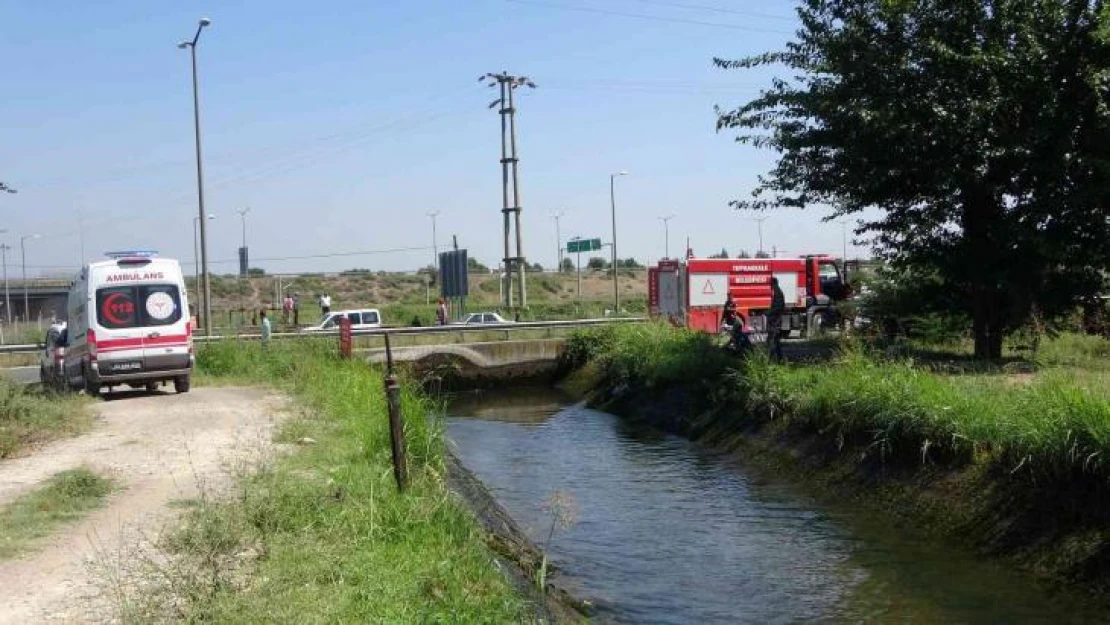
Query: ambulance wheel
{"points": [[92, 389], [181, 384], [151, 387]]}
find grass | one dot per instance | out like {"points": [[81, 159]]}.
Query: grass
{"points": [[1056, 424], [65, 498], [322, 535], [31, 415]]}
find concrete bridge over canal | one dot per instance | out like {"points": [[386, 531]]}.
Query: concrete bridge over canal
{"points": [[483, 355]]}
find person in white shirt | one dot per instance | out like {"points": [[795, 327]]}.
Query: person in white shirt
{"points": [[325, 303], [265, 328]]}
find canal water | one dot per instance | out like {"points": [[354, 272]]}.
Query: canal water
{"points": [[668, 531]]}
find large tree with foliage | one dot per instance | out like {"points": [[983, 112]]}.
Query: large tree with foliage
{"points": [[979, 129]]}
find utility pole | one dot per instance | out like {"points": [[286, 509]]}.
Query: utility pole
{"points": [[558, 242], [435, 246], [613, 214], [507, 84], [7, 294], [244, 258]]}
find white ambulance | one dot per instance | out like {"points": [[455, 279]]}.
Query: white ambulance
{"points": [[129, 324]]}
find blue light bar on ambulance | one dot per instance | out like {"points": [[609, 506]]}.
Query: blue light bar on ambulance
{"points": [[129, 254], [132, 256]]}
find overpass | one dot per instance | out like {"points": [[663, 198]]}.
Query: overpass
{"points": [[45, 297]]}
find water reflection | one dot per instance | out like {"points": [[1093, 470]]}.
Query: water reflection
{"points": [[672, 532]]}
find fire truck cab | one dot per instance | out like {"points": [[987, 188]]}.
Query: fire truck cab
{"points": [[693, 292]]}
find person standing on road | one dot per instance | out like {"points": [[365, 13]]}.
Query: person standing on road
{"points": [[296, 309], [286, 309], [774, 320], [325, 304], [265, 328], [441, 312]]}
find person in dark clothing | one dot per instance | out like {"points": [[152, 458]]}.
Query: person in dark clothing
{"points": [[728, 315], [774, 320]]}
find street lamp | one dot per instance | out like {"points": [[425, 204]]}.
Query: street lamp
{"points": [[558, 241], [667, 235], [192, 46], [23, 256], [435, 246], [196, 262], [759, 223], [613, 211]]}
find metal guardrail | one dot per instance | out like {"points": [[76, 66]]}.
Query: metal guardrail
{"points": [[448, 329]]}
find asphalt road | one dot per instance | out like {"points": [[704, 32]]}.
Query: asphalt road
{"points": [[22, 375]]}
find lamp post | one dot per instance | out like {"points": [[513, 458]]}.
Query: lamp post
{"points": [[435, 246], [759, 224], [23, 258], [192, 46], [7, 294], [242, 214], [196, 256], [558, 241], [667, 235], [613, 212]]}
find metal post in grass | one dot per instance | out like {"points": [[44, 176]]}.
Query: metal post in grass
{"points": [[396, 425]]}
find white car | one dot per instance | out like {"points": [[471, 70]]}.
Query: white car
{"points": [[363, 319], [484, 318]]}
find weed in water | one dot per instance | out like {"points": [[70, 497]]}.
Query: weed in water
{"points": [[564, 513]]}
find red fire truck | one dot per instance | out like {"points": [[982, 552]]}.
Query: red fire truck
{"points": [[692, 293]]}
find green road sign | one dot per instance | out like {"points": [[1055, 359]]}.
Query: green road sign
{"points": [[583, 245]]}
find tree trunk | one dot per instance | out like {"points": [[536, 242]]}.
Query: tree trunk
{"points": [[981, 217]]}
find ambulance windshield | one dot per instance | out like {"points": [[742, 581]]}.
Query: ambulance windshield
{"points": [[138, 306]]}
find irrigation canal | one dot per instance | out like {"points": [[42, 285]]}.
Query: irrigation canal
{"points": [[668, 531]]}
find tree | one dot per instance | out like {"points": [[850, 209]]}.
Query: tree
{"points": [[535, 268], [567, 266], [473, 266], [979, 128], [628, 263], [743, 254], [723, 254], [597, 263], [256, 271]]}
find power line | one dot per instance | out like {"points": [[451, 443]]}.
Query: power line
{"points": [[643, 16], [711, 9]]}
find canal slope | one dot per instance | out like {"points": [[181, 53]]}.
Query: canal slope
{"points": [[1013, 469]]}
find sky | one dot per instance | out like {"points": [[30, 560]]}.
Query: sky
{"points": [[341, 125]]}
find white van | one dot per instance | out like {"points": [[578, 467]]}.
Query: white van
{"points": [[365, 319], [129, 324]]}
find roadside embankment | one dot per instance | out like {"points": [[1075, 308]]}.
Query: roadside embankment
{"points": [[321, 534], [1014, 466]]}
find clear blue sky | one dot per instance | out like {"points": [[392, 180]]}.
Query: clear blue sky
{"points": [[341, 124]]}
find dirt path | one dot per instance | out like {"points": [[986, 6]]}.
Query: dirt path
{"points": [[159, 448]]}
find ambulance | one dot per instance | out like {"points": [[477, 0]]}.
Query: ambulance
{"points": [[129, 325]]}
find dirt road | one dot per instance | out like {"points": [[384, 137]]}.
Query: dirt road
{"points": [[159, 448]]}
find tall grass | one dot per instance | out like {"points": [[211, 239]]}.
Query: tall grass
{"points": [[1055, 424], [325, 535], [30, 415]]}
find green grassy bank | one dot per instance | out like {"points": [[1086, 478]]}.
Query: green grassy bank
{"points": [[321, 534], [1015, 465]]}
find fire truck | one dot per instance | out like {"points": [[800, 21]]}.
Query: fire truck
{"points": [[693, 292]]}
